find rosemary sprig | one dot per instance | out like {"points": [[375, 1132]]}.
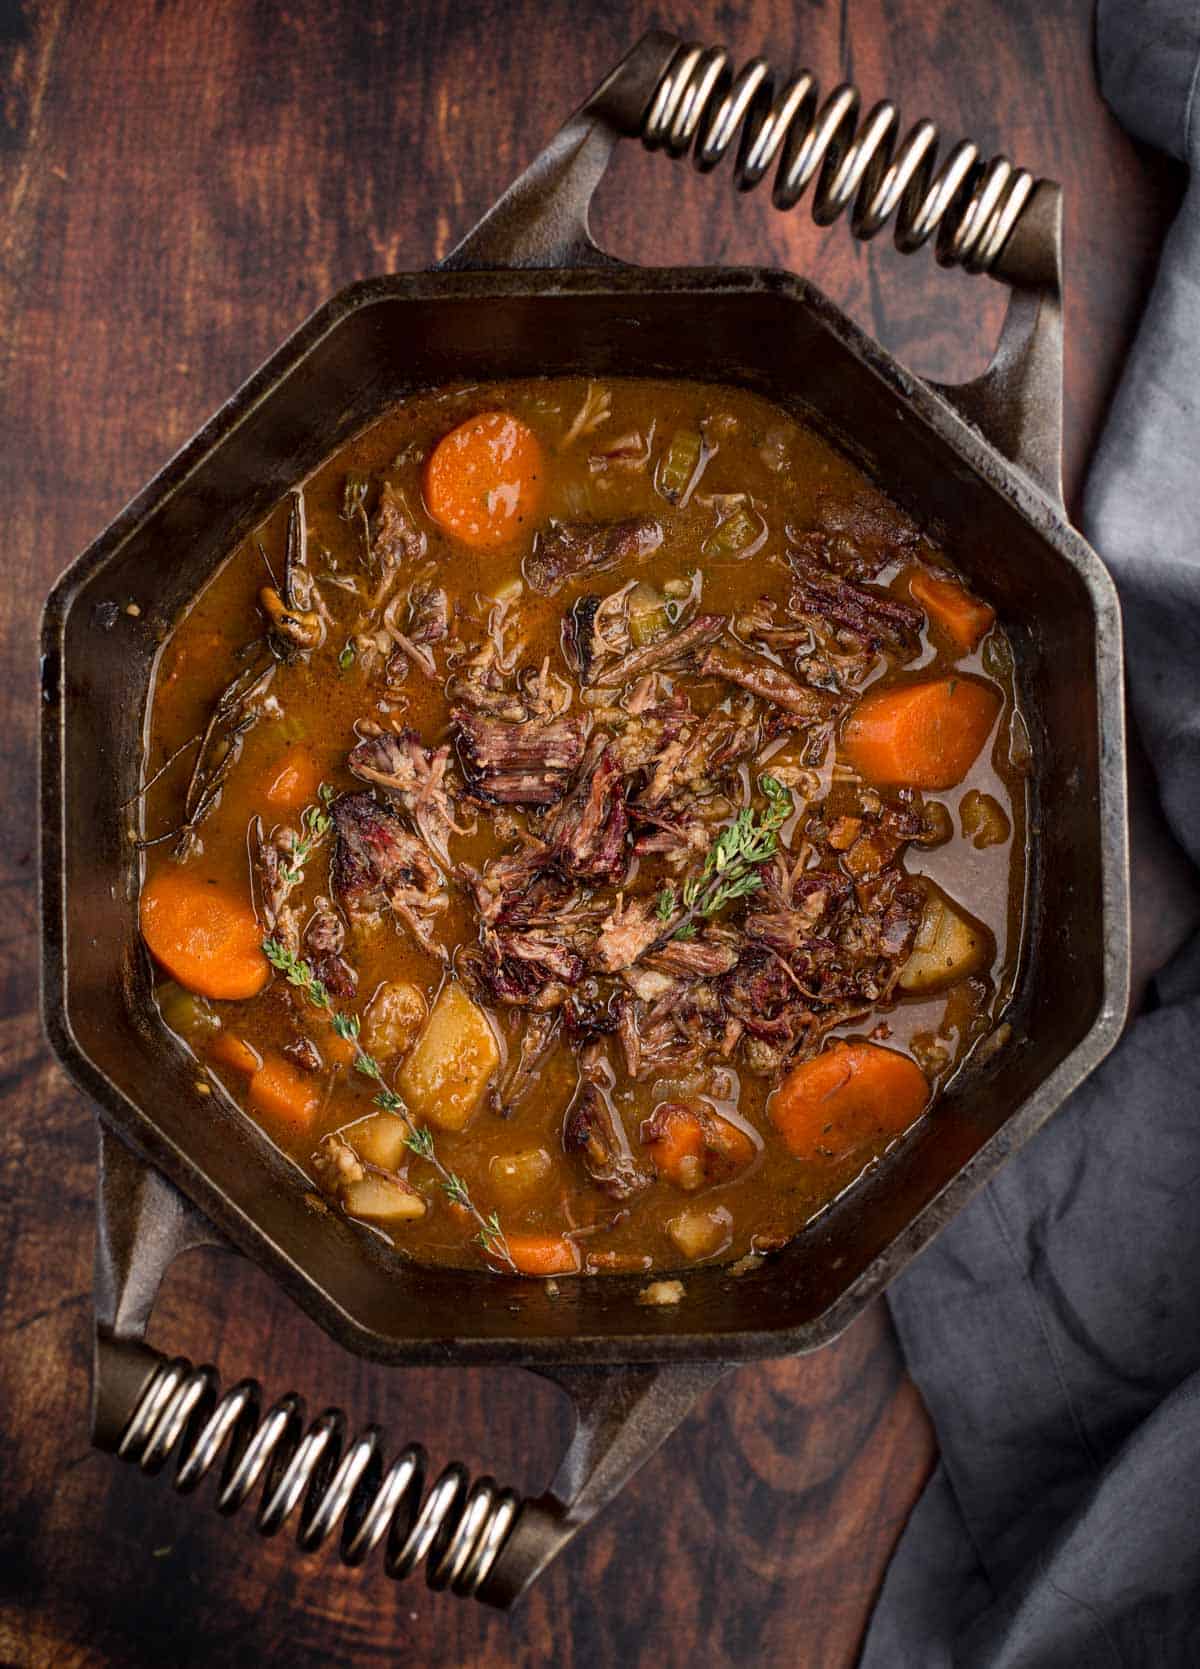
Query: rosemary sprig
{"points": [[730, 870], [419, 1137]]}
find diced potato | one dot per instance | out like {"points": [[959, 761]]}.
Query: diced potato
{"points": [[515, 1176], [444, 1077], [397, 1013], [382, 1199], [699, 1232], [380, 1140], [949, 945]]}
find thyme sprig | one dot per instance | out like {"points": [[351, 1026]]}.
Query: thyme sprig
{"points": [[315, 824], [731, 868], [418, 1138]]}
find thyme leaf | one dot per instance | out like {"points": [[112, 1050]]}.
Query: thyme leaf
{"points": [[419, 1137], [730, 868]]}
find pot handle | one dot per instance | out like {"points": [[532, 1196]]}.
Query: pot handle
{"points": [[985, 216], [473, 1537]]}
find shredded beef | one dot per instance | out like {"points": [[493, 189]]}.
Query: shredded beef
{"points": [[518, 764], [418, 777], [377, 865], [395, 537], [705, 628], [763, 678], [592, 1128], [537, 1039], [626, 933], [874, 619], [567, 549], [588, 831]]}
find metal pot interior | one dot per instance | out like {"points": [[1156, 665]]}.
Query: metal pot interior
{"points": [[363, 351]]}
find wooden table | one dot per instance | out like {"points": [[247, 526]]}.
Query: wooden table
{"points": [[182, 183]]}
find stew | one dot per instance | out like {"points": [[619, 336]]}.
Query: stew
{"points": [[585, 826]]}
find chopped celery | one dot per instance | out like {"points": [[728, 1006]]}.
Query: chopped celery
{"points": [[188, 1015], [680, 465], [649, 614], [740, 534]]}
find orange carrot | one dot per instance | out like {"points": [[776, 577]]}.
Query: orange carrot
{"points": [[283, 1095], [205, 937], [691, 1144], [920, 735], [846, 1098], [483, 481], [338, 1051], [293, 783], [542, 1254], [964, 619], [234, 1052]]}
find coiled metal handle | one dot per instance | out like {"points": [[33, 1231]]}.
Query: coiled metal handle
{"points": [[458, 1528], [972, 204]]}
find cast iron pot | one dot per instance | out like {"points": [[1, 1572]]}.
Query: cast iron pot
{"points": [[529, 293]]}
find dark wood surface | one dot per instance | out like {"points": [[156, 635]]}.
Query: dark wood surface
{"points": [[181, 183]]}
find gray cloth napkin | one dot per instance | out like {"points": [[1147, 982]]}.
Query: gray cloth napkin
{"points": [[1054, 1328]]}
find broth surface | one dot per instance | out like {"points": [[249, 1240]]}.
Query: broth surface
{"points": [[438, 676]]}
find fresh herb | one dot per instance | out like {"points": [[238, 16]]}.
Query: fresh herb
{"points": [[354, 507], [419, 1138], [315, 824], [346, 659], [730, 870]]}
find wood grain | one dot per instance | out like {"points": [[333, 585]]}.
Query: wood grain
{"points": [[180, 183]]}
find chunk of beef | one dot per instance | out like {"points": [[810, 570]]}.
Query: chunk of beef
{"points": [[426, 621], [704, 629], [858, 536], [529, 763], [324, 938], [567, 549], [395, 537], [873, 619], [303, 1052], [593, 1129], [429, 613], [626, 933], [762, 678], [525, 970], [378, 864], [695, 958], [588, 831]]}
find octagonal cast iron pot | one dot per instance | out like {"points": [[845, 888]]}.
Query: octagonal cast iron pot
{"points": [[528, 293]]}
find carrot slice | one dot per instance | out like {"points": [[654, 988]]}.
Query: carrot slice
{"points": [[920, 735], [845, 1099], [283, 1095], [543, 1254], [293, 784], [964, 619], [234, 1052], [691, 1144], [205, 937], [483, 481]]}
